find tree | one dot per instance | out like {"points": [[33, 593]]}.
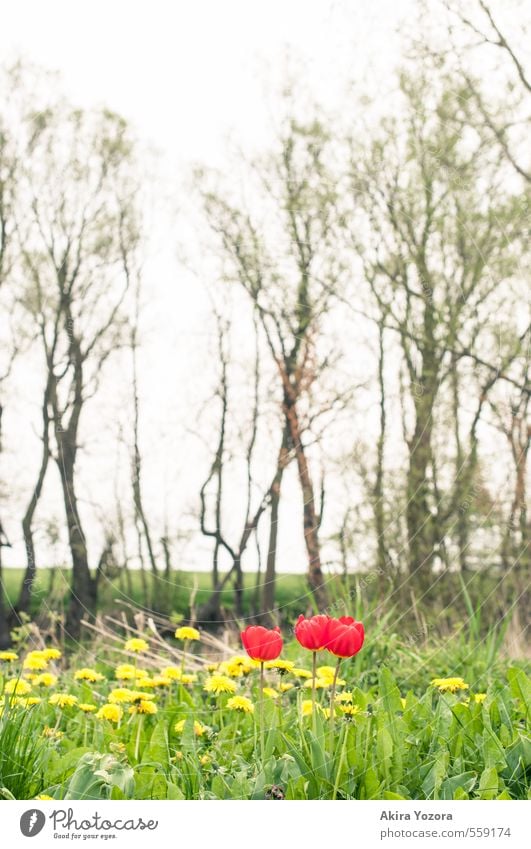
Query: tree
{"points": [[79, 178], [283, 254], [440, 242]]}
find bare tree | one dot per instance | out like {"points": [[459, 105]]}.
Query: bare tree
{"points": [[286, 260], [441, 246], [81, 189]]}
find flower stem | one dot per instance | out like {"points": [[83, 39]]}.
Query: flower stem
{"points": [[314, 673], [137, 740], [333, 703], [262, 746]]}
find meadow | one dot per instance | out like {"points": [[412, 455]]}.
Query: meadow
{"points": [[140, 715]]}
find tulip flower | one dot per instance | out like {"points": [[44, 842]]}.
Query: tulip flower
{"points": [[312, 634], [345, 636], [344, 639], [262, 643]]}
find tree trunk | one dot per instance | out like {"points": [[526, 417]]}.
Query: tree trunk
{"points": [[311, 519], [268, 597], [418, 515], [83, 592], [24, 598]]}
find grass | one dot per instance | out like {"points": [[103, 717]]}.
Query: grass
{"points": [[393, 734]]}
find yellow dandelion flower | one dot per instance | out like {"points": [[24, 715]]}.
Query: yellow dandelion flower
{"points": [[62, 700], [270, 692], [125, 672], [145, 681], [27, 701], [199, 728], [121, 695], [301, 673], [188, 678], [160, 681], [212, 667], [118, 747], [177, 757], [280, 665], [306, 707], [345, 696], [87, 674], [143, 706], [35, 662], [171, 672], [284, 687], [42, 797], [326, 671], [187, 633], [45, 679], [241, 703], [219, 684], [205, 760], [111, 712], [52, 733], [17, 687], [51, 654], [479, 698], [349, 710], [449, 685], [87, 708], [136, 644], [8, 656], [140, 696]]}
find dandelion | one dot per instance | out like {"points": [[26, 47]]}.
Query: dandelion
{"points": [[205, 760], [139, 696], [125, 672], [301, 673], [118, 747], [160, 681], [326, 671], [187, 633], [212, 667], [87, 674], [143, 706], [52, 733], [349, 710], [42, 797], [51, 654], [199, 728], [345, 696], [17, 687], [8, 656], [188, 678], [284, 687], [45, 679], [241, 703], [136, 644], [171, 672], [280, 665], [111, 712], [35, 662], [86, 708], [270, 692], [479, 698], [27, 702], [306, 707], [121, 695], [219, 684], [62, 700], [144, 681], [449, 685]]}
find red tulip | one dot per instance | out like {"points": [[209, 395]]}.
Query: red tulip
{"points": [[312, 633], [262, 643], [345, 636]]}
